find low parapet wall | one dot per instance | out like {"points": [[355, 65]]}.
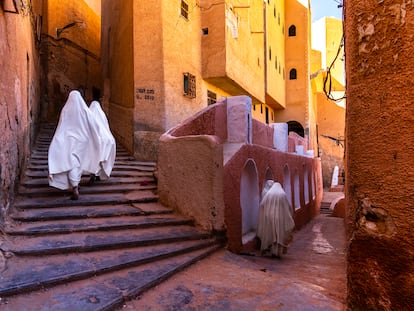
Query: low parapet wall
{"points": [[195, 179], [190, 178]]}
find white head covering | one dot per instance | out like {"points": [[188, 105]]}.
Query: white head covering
{"points": [[108, 146], [266, 187], [275, 218], [75, 144]]}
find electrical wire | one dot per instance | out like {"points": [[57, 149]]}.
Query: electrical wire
{"points": [[327, 84]]}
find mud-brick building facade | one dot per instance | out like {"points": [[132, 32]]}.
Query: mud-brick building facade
{"points": [[20, 30], [379, 154], [328, 91], [162, 61], [70, 52]]}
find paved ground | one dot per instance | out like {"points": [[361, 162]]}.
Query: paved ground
{"points": [[311, 276]]}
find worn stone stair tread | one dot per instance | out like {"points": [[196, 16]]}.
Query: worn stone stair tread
{"points": [[75, 212], [57, 269], [120, 173], [98, 240], [96, 224], [117, 166], [44, 162], [87, 199], [105, 292], [98, 187], [43, 182]]}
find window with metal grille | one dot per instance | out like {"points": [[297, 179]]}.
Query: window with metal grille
{"points": [[189, 86], [211, 97], [184, 9]]}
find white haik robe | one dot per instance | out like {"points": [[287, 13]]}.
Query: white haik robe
{"points": [[76, 144], [108, 146], [275, 220]]}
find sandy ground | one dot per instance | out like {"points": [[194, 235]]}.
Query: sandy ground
{"points": [[311, 276]]}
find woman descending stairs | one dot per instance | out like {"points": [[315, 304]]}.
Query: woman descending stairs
{"points": [[94, 253]]}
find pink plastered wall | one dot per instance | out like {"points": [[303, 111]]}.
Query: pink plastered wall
{"points": [[193, 178]]}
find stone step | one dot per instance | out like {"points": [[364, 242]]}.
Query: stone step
{"points": [[116, 173], [86, 199], [43, 182], [94, 211], [96, 188], [43, 157], [44, 162], [117, 167], [97, 240], [46, 271], [95, 224]]}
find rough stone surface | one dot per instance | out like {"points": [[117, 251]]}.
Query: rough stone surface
{"points": [[379, 165], [19, 95], [311, 276]]}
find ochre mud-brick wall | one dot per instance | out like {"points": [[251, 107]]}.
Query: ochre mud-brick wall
{"points": [[379, 154]]}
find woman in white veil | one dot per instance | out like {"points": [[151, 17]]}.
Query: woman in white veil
{"points": [[276, 223], [75, 146], [108, 145]]}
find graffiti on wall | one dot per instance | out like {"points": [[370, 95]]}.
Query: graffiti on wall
{"points": [[143, 93]]}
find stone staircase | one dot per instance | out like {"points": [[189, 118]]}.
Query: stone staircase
{"points": [[109, 246]]}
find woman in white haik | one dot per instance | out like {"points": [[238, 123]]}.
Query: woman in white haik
{"points": [[276, 223], [108, 145], [75, 146]]}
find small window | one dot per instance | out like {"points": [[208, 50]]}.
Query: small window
{"points": [[292, 31], [189, 85], [292, 74], [278, 19], [270, 53], [211, 98], [184, 9]]}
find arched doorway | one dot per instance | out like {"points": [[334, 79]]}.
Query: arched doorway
{"points": [[294, 126], [249, 201]]}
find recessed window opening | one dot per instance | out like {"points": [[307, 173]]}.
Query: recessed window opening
{"points": [[292, 31], [189, 85], [296, 190], [292, 74], [184, 9], [205, 31], [305, 184], [211, 97]]}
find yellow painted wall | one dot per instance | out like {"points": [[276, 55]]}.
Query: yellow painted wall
{"points": [[244, 57], [181, 54], [330, 114], [232, 51], [333, 39], [275, 54], [297, 56]]}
